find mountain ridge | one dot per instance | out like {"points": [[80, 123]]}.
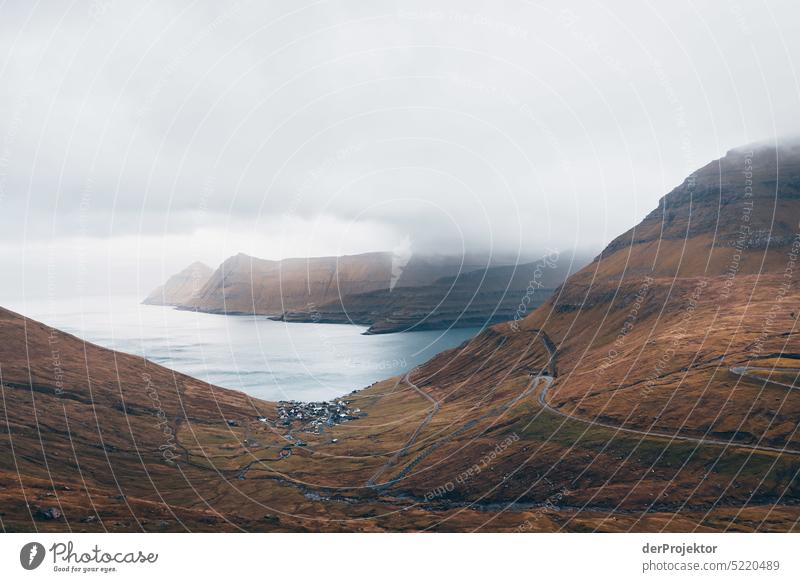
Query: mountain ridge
{"points": [[655, 390], [475, 298]]}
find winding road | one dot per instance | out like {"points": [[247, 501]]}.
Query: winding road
{"points": [[548, 379], [742, 371], [551, 365], [663, 435], [535, 380], [413, 439]]}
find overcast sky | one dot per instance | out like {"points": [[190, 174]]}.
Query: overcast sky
{"points": [[138, 137]]}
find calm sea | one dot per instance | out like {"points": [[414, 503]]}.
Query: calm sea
{"points": [[267, 359]]}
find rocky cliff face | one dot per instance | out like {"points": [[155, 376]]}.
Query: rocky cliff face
{"points": [[470, 299], [248, 285], [745, 202], [182, 287]]}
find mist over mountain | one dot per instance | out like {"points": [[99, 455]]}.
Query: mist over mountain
{"points": [[137, 139]]}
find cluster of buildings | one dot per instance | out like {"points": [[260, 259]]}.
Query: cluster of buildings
{"points": [[316, 415]]}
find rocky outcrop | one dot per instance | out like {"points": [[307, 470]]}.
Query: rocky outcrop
{"points": [[746, 201], [182, 287]]}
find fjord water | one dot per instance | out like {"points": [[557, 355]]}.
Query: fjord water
{"points": [[266, 359]]}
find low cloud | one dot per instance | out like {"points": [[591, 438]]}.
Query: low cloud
{"points": [[174, 132]]}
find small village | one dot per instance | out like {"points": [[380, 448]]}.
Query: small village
{"points": [[316, 415]]}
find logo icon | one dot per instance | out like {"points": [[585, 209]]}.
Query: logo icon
{"points": [[31, 555]]}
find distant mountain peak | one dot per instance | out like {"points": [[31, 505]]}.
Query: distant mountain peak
{"points": [[182, 286]]}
